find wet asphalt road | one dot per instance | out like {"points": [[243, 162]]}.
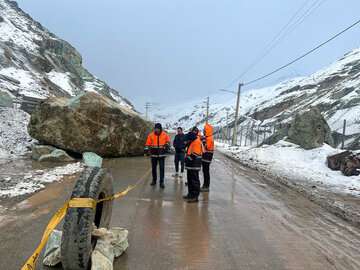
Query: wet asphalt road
{"points": [[243, 223]]}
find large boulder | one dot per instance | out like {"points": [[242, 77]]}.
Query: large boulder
{"points": [[89, 123], [310, 130]]}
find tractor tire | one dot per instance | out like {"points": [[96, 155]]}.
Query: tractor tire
{"points": [[77, 243]]}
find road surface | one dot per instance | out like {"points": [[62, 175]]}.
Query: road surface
{"points": [[243, 223]]}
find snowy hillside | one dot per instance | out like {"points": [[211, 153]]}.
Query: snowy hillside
{"points": [[335, 90], [36, 63]]}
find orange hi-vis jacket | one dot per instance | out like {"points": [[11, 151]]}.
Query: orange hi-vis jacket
{"points": [[208, 142], [194, 154], [157, 144]]}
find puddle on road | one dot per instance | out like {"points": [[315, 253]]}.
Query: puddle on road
{"points": [[38, 204]]}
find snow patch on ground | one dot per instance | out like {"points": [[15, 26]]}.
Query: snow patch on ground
{"points": [[35, 180], [287, 160], [14, 138]]}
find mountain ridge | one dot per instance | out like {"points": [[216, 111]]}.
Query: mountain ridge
{"points": [[35, 62], [335, 89]]}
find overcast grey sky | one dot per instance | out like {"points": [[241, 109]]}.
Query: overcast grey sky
{"points": [[171, 51]]}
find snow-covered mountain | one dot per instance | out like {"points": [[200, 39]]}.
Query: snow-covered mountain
{"points": [[334, 89], [36, 63]]}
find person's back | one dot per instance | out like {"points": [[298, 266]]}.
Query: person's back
{"points": [[208, 142], [193, 164]]}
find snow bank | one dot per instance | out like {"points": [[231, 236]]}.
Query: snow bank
{"points": [[14, 138], [36, 180], [289, 161]]}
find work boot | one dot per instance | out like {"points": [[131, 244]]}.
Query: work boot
{"points": [[153, 183], [192, 200], [205, 189], [162, 186]]}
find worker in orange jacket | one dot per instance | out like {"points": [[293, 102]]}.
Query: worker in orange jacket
{"points": [[157, 145], [193, 157], [208, 143]]}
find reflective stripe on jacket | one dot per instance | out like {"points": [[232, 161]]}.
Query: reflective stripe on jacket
{"points": [[157, 144]]}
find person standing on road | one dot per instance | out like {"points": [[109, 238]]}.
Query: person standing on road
{"points": [[157, 145], [193, 164], [179, 146], [208, 142]]}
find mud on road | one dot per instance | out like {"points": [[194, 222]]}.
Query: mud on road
{"points": [[243, 223]]}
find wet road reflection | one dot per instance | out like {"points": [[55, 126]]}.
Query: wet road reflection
{"points": [[243, 223]]}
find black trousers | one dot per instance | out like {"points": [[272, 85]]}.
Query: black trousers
{"points": [[154, 162], [193, 183], [206, 172], [179, 158]]}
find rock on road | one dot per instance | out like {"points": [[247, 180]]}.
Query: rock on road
{"points": [[243, 223]]}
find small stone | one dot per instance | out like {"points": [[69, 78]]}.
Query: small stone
{"points": [[92, 160], [39, 150], [52, 255], [57, 155]]}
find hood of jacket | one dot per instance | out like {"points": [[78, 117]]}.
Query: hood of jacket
{"points": [[208, 130]]}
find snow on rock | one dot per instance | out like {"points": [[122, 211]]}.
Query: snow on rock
{"points": [[289, 161], [11, 29], [35, 180], [62, 80], [14, 138], [36, 63]]}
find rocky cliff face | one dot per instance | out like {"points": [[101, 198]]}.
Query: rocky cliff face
{"points": [[36, 63], [335, 91]]}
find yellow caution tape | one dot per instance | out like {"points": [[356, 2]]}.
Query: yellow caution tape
{"points": [[54, 221], [82, 203], [60, 214]]}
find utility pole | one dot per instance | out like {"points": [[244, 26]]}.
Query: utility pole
{"points": [[147, 109], [207, 109], [234, 138], [227, 126]]}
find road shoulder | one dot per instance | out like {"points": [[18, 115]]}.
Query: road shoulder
{"points": [[344, 206]]}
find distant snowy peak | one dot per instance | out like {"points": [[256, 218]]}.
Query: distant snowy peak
{"points": [[334, 89], [34, 62]]}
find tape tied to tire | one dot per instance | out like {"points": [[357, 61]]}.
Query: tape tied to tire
{"points": [[59, 216]]}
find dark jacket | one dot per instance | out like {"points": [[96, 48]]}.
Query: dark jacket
{"points": [[179, 143]]}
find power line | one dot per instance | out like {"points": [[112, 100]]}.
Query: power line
{"points": [[307, 13], [287, 29], [304, 55]]}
